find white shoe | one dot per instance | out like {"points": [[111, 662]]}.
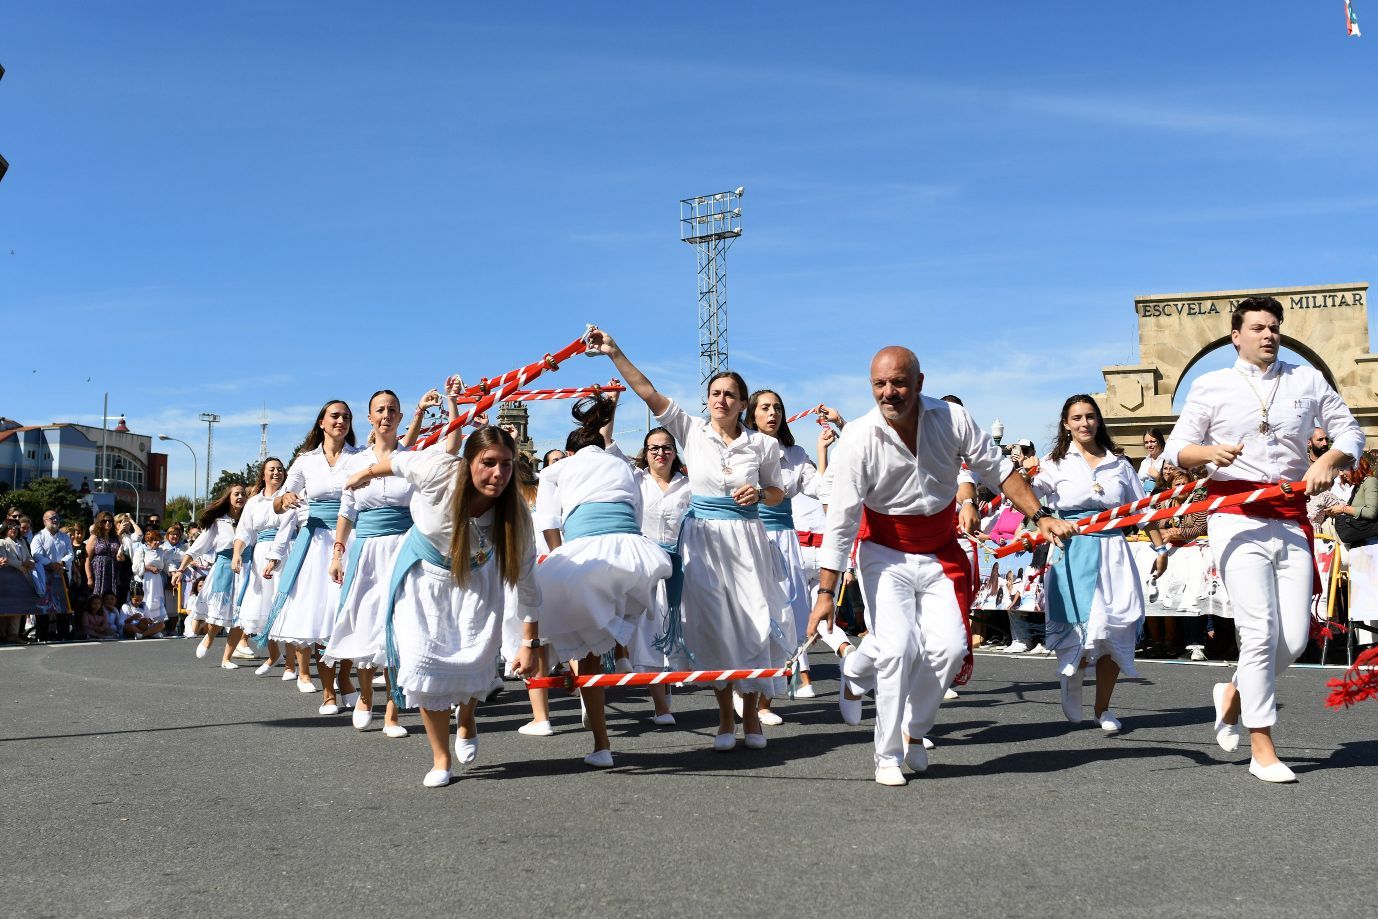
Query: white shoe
{"points": [[1109, 723], [621, 665], [1073, 706], [228, 665], [202, 649], [362, 718], [754, 741], [329, 708], [394, 731], [536, 729], [950, 695], [466, 750], [1226, 735], [724, 742], [1198, 653], [306, 686], [769, 718], [243, 653], [928, 744], [916, 757], [1017, 647], [666, 720], [263, 669], [805, 691], [436, 778], [601, 759], [1278, 772], [891, 776], [289, 675], [850, 708], [1039, 649]]}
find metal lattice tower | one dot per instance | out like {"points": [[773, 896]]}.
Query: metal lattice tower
{"points": [[263, 438], [710, 223]]}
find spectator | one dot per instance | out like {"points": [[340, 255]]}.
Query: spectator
{"points": [[18, 590], [52, 552], [1021, 632], [138, 621], [102, 552], [129, 535], [96, 624], [1152, 466], [78, 586], [1356, 523], [551, 457]]}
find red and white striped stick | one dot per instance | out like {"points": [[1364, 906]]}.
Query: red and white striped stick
{"points": [[543, 395], [1028, 541], [653, 679], [515, 380], [1152, 500], [804, 414]]}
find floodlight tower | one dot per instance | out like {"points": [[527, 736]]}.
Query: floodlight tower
{"points": [[263, 437], [210, 418], [710, 223]]}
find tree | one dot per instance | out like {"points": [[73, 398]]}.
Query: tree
{"points": [[177, 510], [248, 478], [46, 494]]}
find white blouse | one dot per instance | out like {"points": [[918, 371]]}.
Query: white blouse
{"points": [[315, 479], [258, 515], [662, 511], [1070, 484], [592, 474], [384, 491], [717, 468], [215, 538]]}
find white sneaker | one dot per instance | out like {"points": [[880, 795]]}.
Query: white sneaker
{"points": [[1109, 723], [1198, 652], [536, 729], [950, 695], [891, 776], [805, 691], [1039, 649], [1016, 647]]}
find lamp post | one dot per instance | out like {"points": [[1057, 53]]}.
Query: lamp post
{"points": [[193, 469], [997, 431], [130, 485], [210, 418]]}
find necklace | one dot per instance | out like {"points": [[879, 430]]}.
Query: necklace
{"points": [[1263, 426], [479, 556]]}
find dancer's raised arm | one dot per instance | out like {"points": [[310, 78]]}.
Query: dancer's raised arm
{"points": [[604, 344]]}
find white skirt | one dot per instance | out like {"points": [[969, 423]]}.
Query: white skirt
{"points": [[155, 601], [258, 596], [358, 634], [731, 598], [597, 590], [447, 636], [1112, 627], [794, 584], [309, 613]]}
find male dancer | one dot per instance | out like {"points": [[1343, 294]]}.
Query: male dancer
{"points": [[1252, 422], [895, 474]]}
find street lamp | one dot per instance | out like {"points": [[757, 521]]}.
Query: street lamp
{"points": [[210, 418], [997, 431], [193, 470], [130, 485]]}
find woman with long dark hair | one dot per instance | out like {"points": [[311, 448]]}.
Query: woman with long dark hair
{"points": [[1093, 594], [378, 516], [219, 597], [1151, 468], [102, 550], [467, 558], [307, 599], [258, 526], [728, 607], [602, 577]]}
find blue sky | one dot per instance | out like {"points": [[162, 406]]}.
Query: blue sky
{"points": [[214, 207]]}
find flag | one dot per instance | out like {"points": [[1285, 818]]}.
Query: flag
{"points": [[1351, 21]]}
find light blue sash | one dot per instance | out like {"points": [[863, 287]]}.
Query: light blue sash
{"points": [[1072, 574], [709, 507], [673, 636], [319, 515], [222, 578], [376, 521], [265, 535], [600, 518], [415, 549], [777, 518]]}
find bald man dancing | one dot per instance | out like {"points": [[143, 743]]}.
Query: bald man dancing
{"points": [[895, 477]]}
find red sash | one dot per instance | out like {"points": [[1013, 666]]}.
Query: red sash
{"points": [[810, 540], [936, 536], [1291, 508]]}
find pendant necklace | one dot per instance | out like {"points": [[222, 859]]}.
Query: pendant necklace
{"points": [[480, 555], [1263, 426]]}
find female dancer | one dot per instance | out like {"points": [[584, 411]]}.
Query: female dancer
{"points": [[1094, 601], [258, 525], [765, 412], [219, 596], [466, 558], [378, 516], [304, 608], [602, 577], [727, 607]]}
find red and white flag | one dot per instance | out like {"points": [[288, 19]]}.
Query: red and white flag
{"points": [[1351, 21]]}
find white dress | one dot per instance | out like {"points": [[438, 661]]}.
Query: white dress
{"points": [[308, 606], [447, 636], [258, 525], [801, 480], [358, 632], [596, 590], [732, 602], [217, 599], [149, 565], [1117, 601]]}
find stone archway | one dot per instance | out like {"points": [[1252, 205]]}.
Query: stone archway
{"points": [[1328, 325]]}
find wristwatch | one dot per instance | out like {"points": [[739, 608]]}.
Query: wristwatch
{"points": [[532, 643], [1042, 514]]}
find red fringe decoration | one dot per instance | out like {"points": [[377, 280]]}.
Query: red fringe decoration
{"points": [[1360, 682]]}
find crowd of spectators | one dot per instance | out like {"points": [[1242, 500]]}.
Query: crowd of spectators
{"points": [[83, 581]]}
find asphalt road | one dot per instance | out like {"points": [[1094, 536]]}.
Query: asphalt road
{"points": [[143, 782]]}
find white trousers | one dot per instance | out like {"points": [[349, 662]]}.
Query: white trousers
{"points": [[915, 646], [1267, 569]]}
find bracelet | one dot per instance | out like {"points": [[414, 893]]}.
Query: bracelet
{"points": [[828, 591], [339, 545]]}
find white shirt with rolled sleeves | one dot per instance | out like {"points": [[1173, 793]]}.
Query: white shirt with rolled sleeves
{"points": [[1266, 564], [872, 466], [1223, 407], [753, 458], [47, 548]]}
